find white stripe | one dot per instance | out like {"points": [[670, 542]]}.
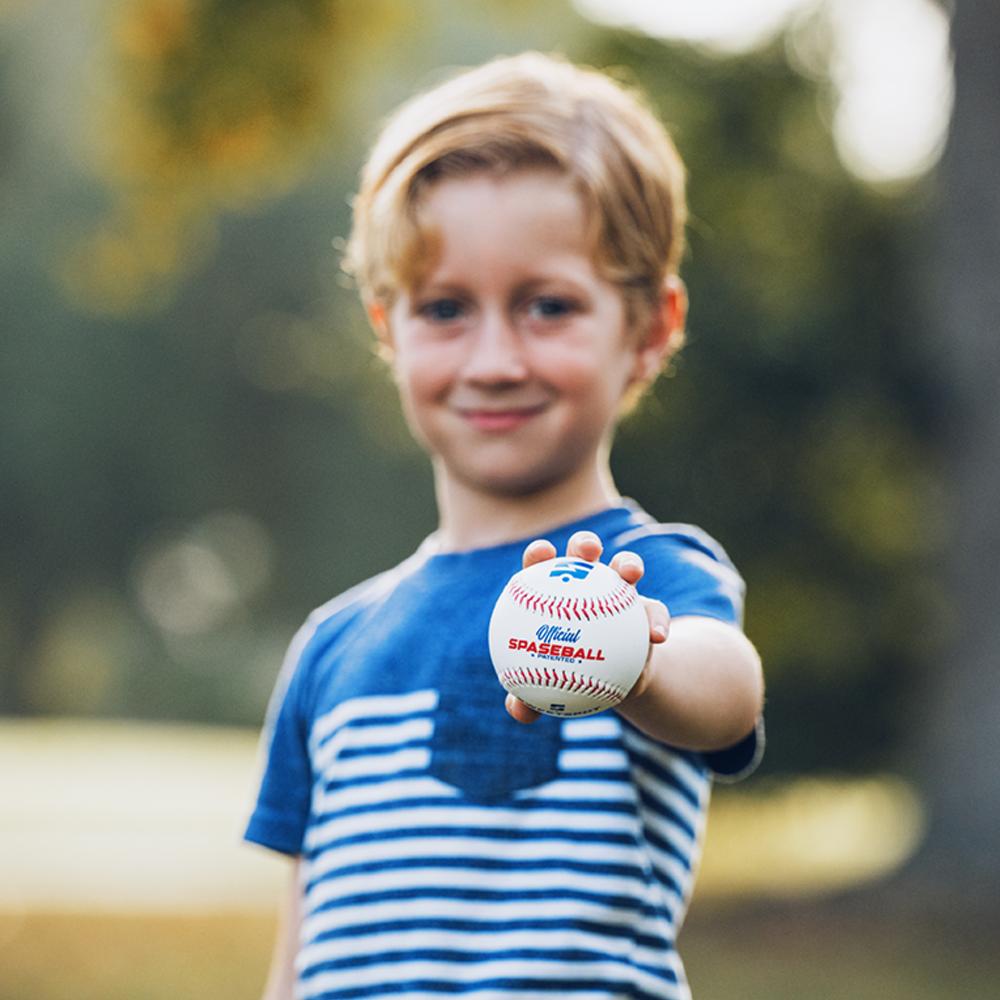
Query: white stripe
{"points": [[592, 760], [370, 707], [668, 796], [472, 849], [385, 911], [563, 789], [519, 968], [417, 787], [420, 818], [673, 869], [692, 778], [667, 758], [374, 765], [679, 838], [434, 877], [480, 943], [353, 738], [596, 727]]}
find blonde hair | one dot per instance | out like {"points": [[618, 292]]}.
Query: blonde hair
{"points": [[521, 112]]}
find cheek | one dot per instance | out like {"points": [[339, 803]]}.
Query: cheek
{"points": [[578, 371], [422, 375]]}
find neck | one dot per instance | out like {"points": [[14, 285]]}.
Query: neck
{"points": [[473, 518]]}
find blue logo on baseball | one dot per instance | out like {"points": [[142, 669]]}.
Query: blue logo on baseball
{"points": [[571, 569]]}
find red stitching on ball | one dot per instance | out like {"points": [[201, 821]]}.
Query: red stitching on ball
{"points": [[568, 681], [579, 609]]}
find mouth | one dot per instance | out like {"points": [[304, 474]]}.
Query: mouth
{"points": [[498, 420]]}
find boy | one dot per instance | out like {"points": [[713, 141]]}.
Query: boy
{"points": [[516, 241]]}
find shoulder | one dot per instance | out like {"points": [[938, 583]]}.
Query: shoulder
{"points": [[326, 622], [644, 532], [333, 622]]}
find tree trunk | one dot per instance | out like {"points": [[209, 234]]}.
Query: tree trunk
{"points": [[959, 736]]}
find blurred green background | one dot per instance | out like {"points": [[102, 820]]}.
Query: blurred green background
{"points": [[198, 445]]}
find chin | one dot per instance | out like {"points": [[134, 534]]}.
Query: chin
{"points": [[515, 485]]}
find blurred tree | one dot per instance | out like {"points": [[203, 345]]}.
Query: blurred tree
{"points": [[793, 429], [957, 737], [207, 371], [213, 104]]}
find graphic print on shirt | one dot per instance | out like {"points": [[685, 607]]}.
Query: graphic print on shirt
{"points": [[489, 762], [568, 887]]}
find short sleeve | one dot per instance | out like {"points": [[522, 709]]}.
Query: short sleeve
{"points": [[279, 818], [686, 569], [739, 761], [691, 574]]}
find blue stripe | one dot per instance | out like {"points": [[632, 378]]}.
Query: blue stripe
{"points": [[372, 721], [572, 956], [487, 895], [376, 779], [669, 881], [366, 722], [621, 775], [493, 926], [505, 834], [519, 805], [667, 777], [559, 987], [486, 864], [380, 750], [661, 809], [684, 857]]}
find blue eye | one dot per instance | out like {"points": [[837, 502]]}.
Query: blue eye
{"points": [[551, 307], [441, 310]]}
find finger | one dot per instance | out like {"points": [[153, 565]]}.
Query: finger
{"points": [[659, 620], [538, 551], [629, 566], [519, 711], [584, 545]]}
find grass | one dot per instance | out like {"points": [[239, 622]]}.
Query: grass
{"points": [[116, 886], [780, 952], [47, 956], [816, 951]]}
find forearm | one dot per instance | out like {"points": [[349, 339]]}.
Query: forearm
{"points": [[702, 689], [281, 976]]}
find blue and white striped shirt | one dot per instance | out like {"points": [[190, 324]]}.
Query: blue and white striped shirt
{"points": [[449, 850]]}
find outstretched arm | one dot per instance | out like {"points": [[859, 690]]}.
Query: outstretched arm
{"points": [[701, 687], [281, 978]]}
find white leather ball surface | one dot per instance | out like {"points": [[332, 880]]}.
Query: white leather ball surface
{"points": [[568, 637]]}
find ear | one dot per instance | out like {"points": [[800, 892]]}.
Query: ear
{"points": [[665, 332], [378, 316]]}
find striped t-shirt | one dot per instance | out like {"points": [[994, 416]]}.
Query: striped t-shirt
{"points": [[448, 850]]}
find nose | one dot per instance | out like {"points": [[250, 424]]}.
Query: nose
{"points": [[496, 354]]}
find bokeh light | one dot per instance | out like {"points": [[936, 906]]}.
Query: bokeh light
{"points": [[888, 61]]}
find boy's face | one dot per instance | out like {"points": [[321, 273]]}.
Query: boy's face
{"points": [[511, 353]]}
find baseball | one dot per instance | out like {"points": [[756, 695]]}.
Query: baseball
{"points": [[568, 637]]}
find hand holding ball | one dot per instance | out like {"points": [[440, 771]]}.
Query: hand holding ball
{"points": [[569, 637]]}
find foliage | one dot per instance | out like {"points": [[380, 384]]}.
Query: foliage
{"points": [[204, 446], [796, 954]]}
